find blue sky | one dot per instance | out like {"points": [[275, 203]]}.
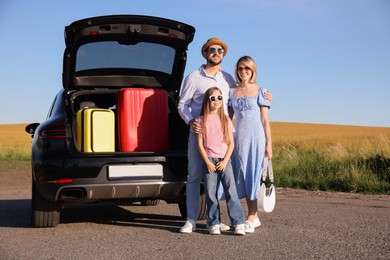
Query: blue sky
{"points": [[325, 61]]}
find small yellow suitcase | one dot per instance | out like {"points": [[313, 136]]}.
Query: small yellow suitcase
{"points": [[95, 130]]}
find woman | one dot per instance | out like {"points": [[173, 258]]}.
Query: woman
{"points": [[253, 135]]}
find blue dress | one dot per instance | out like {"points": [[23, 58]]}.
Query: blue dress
{"points": [[249, 143]]}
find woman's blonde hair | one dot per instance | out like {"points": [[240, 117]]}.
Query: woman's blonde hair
{"points": [[250, 63], [221, 113]]}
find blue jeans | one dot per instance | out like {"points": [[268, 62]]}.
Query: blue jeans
{"points": [[194, 178], [212, 181]]}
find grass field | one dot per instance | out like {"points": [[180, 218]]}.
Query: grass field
{"points": [[15, 143], [332, 157], [318, 135], [308, 156]]}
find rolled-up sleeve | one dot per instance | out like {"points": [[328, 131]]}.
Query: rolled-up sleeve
{"points": [[186, 97]]}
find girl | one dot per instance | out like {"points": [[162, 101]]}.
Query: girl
{"points": [[216, 144]]}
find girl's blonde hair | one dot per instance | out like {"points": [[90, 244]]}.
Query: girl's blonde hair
{"points": [[221, 113], [250, 63]]}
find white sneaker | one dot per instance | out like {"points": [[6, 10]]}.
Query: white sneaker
{"points": [[249, 227], [188, 227], [215, 230], [256, 222], [224, 227], [240, 229]]}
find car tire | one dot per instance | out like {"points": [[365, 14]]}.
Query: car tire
{"points": [[202, 206], [153, 202], [43, 213]]}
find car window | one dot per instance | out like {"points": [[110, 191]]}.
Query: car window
{"points": [[51, 108], [109, 54]]}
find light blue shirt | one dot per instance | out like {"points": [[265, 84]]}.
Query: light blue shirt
{"points": [[194, 87]]}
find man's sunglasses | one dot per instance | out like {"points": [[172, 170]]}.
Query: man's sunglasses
{"points": [[213, 98], [214, 50]]}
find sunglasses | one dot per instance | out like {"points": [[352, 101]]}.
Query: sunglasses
{"points": [[244, 68], [214, 50], [214, 98]]}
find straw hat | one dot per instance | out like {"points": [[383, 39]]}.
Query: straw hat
{"points": [[213, 41]]}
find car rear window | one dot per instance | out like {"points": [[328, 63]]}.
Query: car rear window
{"points": [[111, 55]]}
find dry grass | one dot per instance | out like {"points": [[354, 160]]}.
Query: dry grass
{"points": [[312, 136], [13, 137], [305, 136], [15, 148], [332, 157]]}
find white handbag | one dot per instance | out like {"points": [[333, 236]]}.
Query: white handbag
{"points": [[266, 200]]}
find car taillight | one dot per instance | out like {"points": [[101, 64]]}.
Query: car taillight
{"points": [[60, 181], [56, 131]]}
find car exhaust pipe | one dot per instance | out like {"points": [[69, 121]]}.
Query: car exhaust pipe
{"points": [[73, 194]]}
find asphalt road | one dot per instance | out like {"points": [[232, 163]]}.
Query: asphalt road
{"points": [[304, 225]]}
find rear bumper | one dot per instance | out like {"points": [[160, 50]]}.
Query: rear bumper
{"points": [[168, 191], [112, 182]]}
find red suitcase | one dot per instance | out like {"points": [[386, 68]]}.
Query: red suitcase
{"points": [[142, 120]]}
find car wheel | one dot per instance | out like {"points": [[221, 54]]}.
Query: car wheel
{"points": [[182, 205], [43, 213], [150, 202], [202, 206]]}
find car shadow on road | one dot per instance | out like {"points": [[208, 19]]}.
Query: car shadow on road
{"points": [[17, 214], [160, 217], [154, 217]]}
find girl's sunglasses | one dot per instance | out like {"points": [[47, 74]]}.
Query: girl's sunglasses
{"points": [[214, 98]]}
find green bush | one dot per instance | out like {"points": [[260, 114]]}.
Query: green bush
{"points": [[14, 155], [349, 170]]}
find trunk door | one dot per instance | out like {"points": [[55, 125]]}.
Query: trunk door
{"points": [[113, 52]]}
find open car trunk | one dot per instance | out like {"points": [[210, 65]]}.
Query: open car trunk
{"points": [[127, 120], [122, 75]]}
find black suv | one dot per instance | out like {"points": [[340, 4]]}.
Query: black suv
{"points": [[103, 56]]}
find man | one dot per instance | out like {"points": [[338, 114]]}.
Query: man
{"points": [[190, 103]]}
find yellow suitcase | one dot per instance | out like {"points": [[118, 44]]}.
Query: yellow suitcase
{"points": [[95, 130]]}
